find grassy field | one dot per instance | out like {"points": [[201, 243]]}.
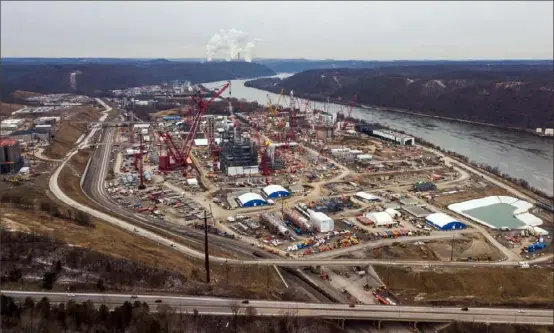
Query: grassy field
{"points": [[68, 132], [227, 280], [471, 286]]}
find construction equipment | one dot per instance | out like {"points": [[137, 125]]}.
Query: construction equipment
{"points": [[139, 163], [348, 119], [181, 157]]}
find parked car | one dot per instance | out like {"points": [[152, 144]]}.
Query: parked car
{"points": [[245, 301], [465, 309], [158, 301]]}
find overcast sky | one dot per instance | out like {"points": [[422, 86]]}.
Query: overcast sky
{"points": [[318, 30]]}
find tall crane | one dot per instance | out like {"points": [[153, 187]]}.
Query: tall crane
{"points": [[348, 120], [181, 156], [265, 162], [139, 159], [292, 118]]}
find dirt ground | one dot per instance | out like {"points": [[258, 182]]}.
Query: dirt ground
{"points": [[68, 132], [21, 94], [465, 246], [469, 194], [7, 109], [471, 286]]}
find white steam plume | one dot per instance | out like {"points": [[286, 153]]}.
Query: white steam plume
{"points": [[230, 45]]}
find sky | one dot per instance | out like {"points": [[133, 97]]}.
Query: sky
{"points": [[358, 30]]}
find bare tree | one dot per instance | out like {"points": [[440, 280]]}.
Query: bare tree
{"points": [[235, 309]]}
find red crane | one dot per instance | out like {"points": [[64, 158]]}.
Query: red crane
{"points": [[348, 120], [181, 156], [264, 158], [214, 148], [139, 163]]}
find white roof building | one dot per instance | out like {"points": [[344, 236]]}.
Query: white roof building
{"points": [[204, 142], [367, 196], [321, 222], [442, 221], [393, 212], [275, 191], [380, 218], [251, 200]]}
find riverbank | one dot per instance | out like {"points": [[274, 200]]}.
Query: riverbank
{"points": [[390, 109], [517, 154], [520, 185]]}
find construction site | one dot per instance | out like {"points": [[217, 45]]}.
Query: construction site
{"points": [[286, 179]]}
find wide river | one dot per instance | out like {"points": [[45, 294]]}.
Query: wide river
{"points": [[518, 154]]}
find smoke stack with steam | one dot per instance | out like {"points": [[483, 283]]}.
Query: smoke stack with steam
{"points": [[229, 44]]}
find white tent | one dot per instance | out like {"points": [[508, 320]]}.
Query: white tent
{"points": [[380, 218]]}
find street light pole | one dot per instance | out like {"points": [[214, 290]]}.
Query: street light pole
{"points": [[207, 256], [452, 251]]}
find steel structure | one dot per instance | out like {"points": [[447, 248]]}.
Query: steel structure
{"points": [[347, 119], [181, 156]]}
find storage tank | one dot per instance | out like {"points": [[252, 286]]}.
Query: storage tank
{"points": [[298, 221], [275, 223], [13, 151]]}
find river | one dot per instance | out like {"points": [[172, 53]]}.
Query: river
{"points": [[518, 154]]}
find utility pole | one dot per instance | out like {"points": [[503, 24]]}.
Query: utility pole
{"points": [[207, 257], [452, 251]]}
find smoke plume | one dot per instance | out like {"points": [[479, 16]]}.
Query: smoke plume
{"points": [[230, 44]]}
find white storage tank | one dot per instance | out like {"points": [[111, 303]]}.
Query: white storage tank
{"points": [[321, 222]]}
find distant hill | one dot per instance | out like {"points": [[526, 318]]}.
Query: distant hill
{"points": [[300, 65], [98, 77], [507, 94]]}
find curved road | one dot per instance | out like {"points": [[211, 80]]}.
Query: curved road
{"points": [[101, 166]]}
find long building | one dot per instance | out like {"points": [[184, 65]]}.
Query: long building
{"points": [[386, 134]]}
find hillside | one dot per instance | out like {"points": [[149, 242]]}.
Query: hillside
{"points": [[97, 77], [300, 65], [511, 95]]}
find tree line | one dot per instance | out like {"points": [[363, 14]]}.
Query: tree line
{"points": [[45, 317], [22, 202]]}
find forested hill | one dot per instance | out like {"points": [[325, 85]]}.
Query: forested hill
{"points": [[512, 95], [95, 77]]}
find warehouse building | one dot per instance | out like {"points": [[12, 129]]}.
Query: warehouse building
{"points": [[424, 187], [367, 197], [43, 134], [251, 200], [321, 221], [444, 222], [275, 191]]}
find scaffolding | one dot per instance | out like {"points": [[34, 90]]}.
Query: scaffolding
{"points": [[237, 152]]}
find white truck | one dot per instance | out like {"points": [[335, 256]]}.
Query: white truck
{"points": [[523, 264]]}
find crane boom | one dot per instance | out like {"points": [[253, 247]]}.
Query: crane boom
{"points": [[202, 106]]}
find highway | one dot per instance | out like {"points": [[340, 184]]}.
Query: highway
{"points": [[223, 307]]}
